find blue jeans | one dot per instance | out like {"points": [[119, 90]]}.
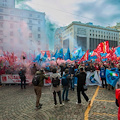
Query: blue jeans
{"points": [[65, 89], [72, 83]]}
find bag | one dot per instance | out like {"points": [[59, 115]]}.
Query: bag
{"points": [[36, 80], [55, 82], [85, 88], [64, 80]]}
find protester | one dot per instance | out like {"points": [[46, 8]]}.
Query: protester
{"points": [[103, 76], [66, 83], [34, 69], [22, 77], [80, 85], [55, 77], [38, 88]]}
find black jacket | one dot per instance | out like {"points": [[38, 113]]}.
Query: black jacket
{"points": [[81, 80]]}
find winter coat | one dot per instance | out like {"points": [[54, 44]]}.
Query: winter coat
{"points": [[81, 80], [42, 77], [58, 88], [68, 78]]}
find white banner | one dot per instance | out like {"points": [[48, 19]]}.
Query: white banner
{"points": [[93, 78], [11, 79]]}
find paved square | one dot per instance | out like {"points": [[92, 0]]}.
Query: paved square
{"points": [[17, 104]]}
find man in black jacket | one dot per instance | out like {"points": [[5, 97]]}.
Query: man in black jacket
{"points": [[80, 83], [22, 77]]}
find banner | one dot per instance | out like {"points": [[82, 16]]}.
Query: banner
{"points": [[112, 77], [93, 78], [12, 79]]}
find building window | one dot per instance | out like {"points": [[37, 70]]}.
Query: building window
{"points": [[30, 27], [93, 30], [90, 30], [38, 16], [11, 25], [30, 35], [11, 33], [30, 15], [30, 21], [93, 34], [38, 35], [1, 32], [1, 10], [1, 17], [1, 24], [38, 21], [38, 42], [38, 28]]}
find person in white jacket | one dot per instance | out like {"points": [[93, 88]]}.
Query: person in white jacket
{"points": [[56, 88]]}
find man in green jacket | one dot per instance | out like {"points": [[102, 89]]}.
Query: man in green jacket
{"points": [[38, 89]]}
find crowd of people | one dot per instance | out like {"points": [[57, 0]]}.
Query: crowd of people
{"points": [[67, 74]]}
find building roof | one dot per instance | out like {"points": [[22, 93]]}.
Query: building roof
{"points": [[91, 25]]}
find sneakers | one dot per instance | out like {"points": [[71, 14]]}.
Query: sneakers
{"points": [[40, 104], [55, 105], [39, 107], [61, 104], [78, 103]]}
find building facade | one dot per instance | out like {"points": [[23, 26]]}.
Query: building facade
{"points": [[58, 38], [21, 30], [88, 36], [118, 28]]}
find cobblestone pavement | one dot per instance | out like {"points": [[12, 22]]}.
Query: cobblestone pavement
{"points": [[17, 104]]}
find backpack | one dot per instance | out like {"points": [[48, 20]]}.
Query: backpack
{"points": [[55, 82], [36, 80], [64, 80]]}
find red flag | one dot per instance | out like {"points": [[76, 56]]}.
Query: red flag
{"points": [[106, 47], [99, 48], [84, 57], [102, 47]]}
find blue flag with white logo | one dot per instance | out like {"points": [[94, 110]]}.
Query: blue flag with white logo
{"points": [[112, 77]]}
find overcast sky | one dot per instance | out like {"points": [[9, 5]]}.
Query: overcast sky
{"points": [[63, 12]]}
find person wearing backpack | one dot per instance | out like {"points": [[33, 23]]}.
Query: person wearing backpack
{"points": [[39, 78], [55, 77], [66, 83], [103, 75]]}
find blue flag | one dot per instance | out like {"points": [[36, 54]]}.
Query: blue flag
{"points": [[112, 77], [67, 55], [117, 52], [60, 54], [103, 54], [45, 55], [37, 59], [56, 54]]}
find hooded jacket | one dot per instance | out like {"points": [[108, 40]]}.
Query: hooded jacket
{"points": [[42, 77]]}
